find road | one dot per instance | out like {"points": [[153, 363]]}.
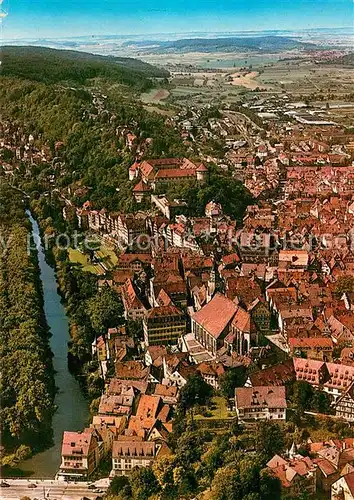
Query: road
{"points": [[50, 489]]}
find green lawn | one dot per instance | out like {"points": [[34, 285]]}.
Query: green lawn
{"points": [[77, 257], [217, 411], [108, 256]]}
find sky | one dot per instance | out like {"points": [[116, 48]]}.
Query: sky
{"points": [[67, 18]]}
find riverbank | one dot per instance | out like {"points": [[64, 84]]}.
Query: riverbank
{"points": [[28, 386], [72, 407]]}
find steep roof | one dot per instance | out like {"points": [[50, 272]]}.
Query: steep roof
{"points": [[133, 448], [164, 311], [242, 321], [141, 187], [271, 396], [216, 315], [349, 479], [311, 342], [76, 443], [148, 406], [274, 375]]}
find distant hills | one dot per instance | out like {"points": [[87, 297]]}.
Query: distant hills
{"points": [[54, 66], [347, 60], [230, 44]]}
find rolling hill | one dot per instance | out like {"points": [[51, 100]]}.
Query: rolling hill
{"points": [[229, 44], [55, 66], [347, 60]]}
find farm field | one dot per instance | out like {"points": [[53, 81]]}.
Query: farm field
{"points": [[306, 78]]}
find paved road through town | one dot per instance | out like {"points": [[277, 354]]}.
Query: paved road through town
{"points": [[50, 489]]}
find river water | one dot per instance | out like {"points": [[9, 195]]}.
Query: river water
{"points": [[72, 413]]}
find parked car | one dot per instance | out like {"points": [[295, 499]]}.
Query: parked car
{"points": [[4, 485], [91, 487], [32, 485]]}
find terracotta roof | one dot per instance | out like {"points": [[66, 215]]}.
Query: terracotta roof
{"points": [[341, 376], [156, 351], [242, 320], [276, 461], [216, 315], [244, 288], [232, 258], [310, 370], [349, 479], [121, 277], [271, 396], [141, 187], [128, 258], [310, 343], [130, 298], [211, 368], [131, 370], [274, 375], [133, 448], [172, 173], [116, 405], [163, 299], [76, 443], [166, 390], [291, 469], [164, 311], [148, 406]]}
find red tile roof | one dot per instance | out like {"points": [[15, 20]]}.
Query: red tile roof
{"points": [[274, 375], [133, 448], [349, 479], [164, 311], [310, 370], [76, 443], [271, 396], [310, 343], [242, 321], [141, 187], [173, 173], [215, 316]]}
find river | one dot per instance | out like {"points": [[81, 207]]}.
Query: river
{"points": [[72, 413]]}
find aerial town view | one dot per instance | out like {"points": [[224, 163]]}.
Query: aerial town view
{"points": [[177, 250]]}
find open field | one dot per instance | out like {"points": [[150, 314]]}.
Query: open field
{"points": [[247, 80], [306, 78], [216, 60], [300, 78], [155, 96], [156, 109]]}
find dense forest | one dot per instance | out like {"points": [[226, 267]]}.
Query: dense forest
{"points": [[59, 66], [27, 382], [95, 157]]}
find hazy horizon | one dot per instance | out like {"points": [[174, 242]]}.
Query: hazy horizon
{"points": [[66, 19]]}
